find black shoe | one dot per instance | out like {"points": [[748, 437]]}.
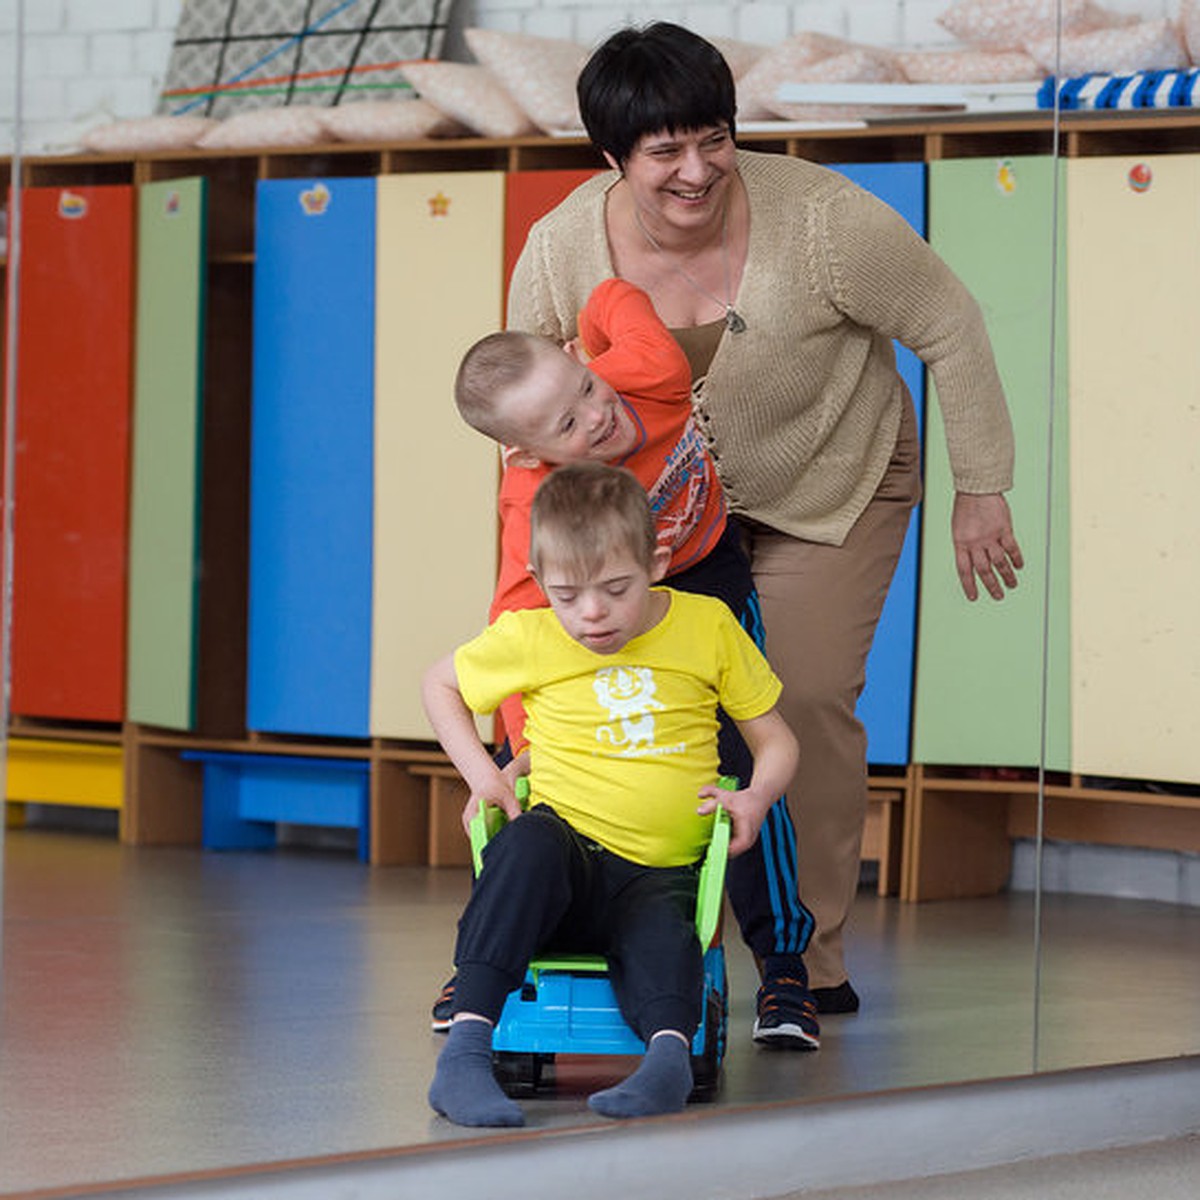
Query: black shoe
{"points": [[787, 1013], [840, 999], [443, 1007]]}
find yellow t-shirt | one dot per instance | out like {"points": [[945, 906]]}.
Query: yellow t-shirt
{"points": [[620, 744]]}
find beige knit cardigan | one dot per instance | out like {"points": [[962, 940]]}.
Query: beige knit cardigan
{"points": [[803, 408]]}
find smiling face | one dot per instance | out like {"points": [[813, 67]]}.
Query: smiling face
{"points": [[560, 413], [606, 608], [680, 180]]}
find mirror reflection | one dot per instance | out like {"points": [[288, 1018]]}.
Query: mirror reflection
{"points": [[241, 530]]}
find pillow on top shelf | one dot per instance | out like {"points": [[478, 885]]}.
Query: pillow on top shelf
{"points": [[539, 73], [289, 125], [863, 65], [470, 94], [389, 121], [968, 66], [137, 134], [740, 56], [757, 87], [1189, 29], [1146, 46], [1010, 24]]}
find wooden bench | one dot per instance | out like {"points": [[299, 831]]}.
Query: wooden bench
{"points": [[448, 844], [247, 795], [883, 832]]}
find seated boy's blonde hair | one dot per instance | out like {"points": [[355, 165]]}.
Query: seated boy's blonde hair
{"points": [[584, 511], [492, 365]]}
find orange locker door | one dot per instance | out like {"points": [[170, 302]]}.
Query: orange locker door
{"points": [[70, 541]]}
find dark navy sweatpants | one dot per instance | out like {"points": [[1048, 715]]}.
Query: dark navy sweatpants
{"points": [[761, 883], [546, 887]]}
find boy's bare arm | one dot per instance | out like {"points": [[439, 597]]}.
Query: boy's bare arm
{"points": [[776, 755], [454, 724]]}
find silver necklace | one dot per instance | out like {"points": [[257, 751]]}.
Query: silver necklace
{"points": [[733, 319]]}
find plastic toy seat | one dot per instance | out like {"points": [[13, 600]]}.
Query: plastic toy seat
{"points": [[567, 1005]]}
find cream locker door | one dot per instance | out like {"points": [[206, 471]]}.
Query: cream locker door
{"points": [[1134, 269], [438, 289]]}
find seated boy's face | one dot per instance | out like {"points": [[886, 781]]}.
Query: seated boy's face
{"points": [[562, 413], [611, 607]]}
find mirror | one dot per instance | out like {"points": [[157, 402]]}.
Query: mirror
{"points": [[1121, 818], [241, 1007]]}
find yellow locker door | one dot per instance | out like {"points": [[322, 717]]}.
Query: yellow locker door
{"points": [[1134, 331], [440, 254]]}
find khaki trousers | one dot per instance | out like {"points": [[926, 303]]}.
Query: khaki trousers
{"points": [[821, 605]]}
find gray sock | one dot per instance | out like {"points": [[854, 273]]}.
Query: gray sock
{"points": [[464, 1088], [661, 1084]]}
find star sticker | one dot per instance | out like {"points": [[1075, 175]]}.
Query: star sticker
{"points": [[439, 205]]}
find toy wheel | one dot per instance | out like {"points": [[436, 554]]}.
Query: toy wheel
{"points": [[519, 1074], [706, 1066]]}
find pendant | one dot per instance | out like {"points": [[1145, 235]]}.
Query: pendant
{"points": [[733, 320]]}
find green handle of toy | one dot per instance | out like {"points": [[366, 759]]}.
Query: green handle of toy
{"points": [[710, 888], [489, 817]]}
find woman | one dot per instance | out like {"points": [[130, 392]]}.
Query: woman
{"points": [[786, 284]]}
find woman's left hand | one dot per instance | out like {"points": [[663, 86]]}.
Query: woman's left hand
{"points": [[984, 544]]}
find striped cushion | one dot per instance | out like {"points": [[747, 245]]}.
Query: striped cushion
{"points": [[1143, 89]]}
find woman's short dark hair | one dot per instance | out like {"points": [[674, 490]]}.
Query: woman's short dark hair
{"points": [[645, 80]]}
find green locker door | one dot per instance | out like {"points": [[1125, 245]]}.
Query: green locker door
{"points": [[979, 666], [1134, 230], [164, 513]]}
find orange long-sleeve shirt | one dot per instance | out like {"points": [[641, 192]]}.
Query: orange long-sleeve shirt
{"points": [[635, 354]]}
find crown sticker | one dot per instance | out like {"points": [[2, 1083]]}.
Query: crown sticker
{"points": [[72, 206], [315, 200]]}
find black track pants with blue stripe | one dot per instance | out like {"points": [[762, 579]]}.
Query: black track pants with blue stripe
{"points": [[761, 882]]}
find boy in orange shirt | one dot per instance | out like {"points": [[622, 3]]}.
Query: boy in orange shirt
{"points": [[620, 393]]}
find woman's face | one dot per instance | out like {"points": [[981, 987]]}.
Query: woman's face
{"points": [[680, 180]]}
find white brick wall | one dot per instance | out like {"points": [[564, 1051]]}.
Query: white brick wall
{"points": [[882, 22], [86, 61]]}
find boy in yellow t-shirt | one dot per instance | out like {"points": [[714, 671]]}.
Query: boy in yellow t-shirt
{"points": [[621, 682]]}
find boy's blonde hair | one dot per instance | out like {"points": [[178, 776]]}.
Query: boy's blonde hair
{"points": [[584, 511], [491, 366]]}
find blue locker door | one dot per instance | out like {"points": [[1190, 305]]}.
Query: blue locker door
{"points": [[885, 707], [311, 470]]}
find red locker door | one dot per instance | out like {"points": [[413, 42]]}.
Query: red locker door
{"points": [[529, 195], [70, 540]]}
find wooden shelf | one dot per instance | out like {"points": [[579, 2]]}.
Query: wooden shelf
{"points": [[936, 831]]}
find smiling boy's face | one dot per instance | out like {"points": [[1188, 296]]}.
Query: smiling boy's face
{"points": [[613, 604], [562, 413]]}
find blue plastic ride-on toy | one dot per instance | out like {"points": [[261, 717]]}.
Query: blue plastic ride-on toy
{"points": [[567, 1005]]}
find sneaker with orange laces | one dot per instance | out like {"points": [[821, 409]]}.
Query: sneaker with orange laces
{"points": [[787, 1012], [443, 1007]]}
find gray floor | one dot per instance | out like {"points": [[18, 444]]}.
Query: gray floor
{"points": [[168, 1010]]}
